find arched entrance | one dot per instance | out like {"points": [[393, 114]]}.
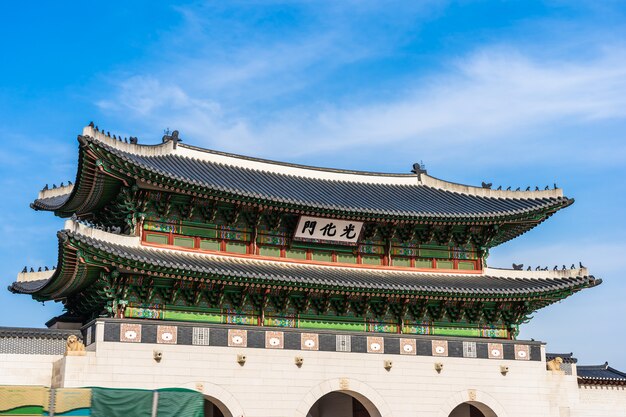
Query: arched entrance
{"points": [[472, 409], [341, 404], [215, 408]]}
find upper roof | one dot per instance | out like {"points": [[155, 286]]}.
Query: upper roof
{"points": [[600, 374], [199, 172], [102, 249]]}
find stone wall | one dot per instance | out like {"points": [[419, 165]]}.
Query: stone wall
{"points": [[270, 383]]}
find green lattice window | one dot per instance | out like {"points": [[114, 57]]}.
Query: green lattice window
{"points": [[423, 263], [346, 258], [269, 251], [370, 260], [236, 247], [445, 264], [401, 261], [185, 242], [322, 256], [156, 238], [295, 254], [210, 244], [467, 265]]}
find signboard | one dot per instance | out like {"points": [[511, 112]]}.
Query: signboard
{"points": [[318, 228]]}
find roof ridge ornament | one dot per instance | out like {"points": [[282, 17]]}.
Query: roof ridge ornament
{"points": [[173, 136], [419, 168]]}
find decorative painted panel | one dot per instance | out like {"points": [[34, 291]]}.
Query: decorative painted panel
{"points": [[130, 332]]}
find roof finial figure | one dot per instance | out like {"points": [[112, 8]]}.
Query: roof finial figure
{"points": [[69, 183], [508, 188], [419, 168], [62, 184], [499, 187], [536, 188], [518, 188], [580, 264], [555, 187], [547, 187], [529, 268], [518, 267], [556, 268], [45, 187], [173, 136], [46, 268], [39, 270], [528, 188], [134, 140], [91, 124], [487, 185], [24, 270], [572, 267], [31, 269]]}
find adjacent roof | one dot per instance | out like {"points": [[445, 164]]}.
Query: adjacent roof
{"points": [[567, 357], [187, 169], [38, 333], [101, 249], [600, 374]]}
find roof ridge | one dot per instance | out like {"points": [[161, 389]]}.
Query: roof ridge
{"points": [[308, 171]]}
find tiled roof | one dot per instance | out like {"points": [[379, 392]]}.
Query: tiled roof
{"points": [[600, 374], [490, 285], [51, 203], [28, 286], [38, 333], [397, 195], [567, 357]]}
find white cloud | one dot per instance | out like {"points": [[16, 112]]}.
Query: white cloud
{"points": [[492, 96]]}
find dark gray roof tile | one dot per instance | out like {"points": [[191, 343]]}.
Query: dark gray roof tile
{"points": [[600, 373], [357, 197]]}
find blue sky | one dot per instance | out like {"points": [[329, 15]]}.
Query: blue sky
{"points": [[511, 92]]}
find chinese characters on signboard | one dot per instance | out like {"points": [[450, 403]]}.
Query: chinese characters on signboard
{"points": [[319, 228]]}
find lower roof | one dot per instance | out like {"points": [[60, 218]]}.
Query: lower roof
{"points": [[81, 246]]}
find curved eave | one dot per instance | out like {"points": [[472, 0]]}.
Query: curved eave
{"points": [[69, 277], [92, 189], [80, 253]]}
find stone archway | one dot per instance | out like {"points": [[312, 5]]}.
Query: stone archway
{"points": [[471, 403], [215, 408], [472, 409], [217, 401], [342, 397], [340, 404]]}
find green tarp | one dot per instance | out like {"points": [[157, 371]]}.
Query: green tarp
{"points": [[107, 402], [180, 403], [172, 402]]}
